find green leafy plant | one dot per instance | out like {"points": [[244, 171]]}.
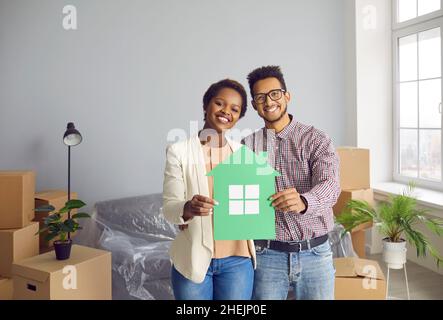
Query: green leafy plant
{"points": [[395, 219], [56, 226]]}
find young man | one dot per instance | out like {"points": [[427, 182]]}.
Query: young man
{"points": [[308, 187]]}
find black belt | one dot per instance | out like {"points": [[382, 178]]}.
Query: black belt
{"points": [[291, 246]]}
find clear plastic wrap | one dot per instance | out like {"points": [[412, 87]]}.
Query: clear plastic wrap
{"points": [[341, 245], [139, 237], [136, 216]]}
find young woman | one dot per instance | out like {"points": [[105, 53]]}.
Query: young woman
{"points": [[205, 269]]}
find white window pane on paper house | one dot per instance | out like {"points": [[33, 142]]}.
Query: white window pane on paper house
{"points": [[236, 207], [429, 56], [428, 6], [236, 192], [408, 152], [252, 191], [251, 207], [408, 105], [430, 99], [407, 9], [407, 55], [430, 154]]}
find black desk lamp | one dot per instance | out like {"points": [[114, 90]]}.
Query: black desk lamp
{"points": [[71, 138]]}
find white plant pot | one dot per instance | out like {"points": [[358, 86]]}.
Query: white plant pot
{"points": [[394, 253]]}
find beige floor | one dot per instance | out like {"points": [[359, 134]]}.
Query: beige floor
{"points": [[424, 284]]}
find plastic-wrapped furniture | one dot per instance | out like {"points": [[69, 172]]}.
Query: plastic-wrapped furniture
{"points": [[139, 237], [341, 245]]}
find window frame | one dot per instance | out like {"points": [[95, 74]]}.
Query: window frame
{"points": [[399, 25], [410, 27]]}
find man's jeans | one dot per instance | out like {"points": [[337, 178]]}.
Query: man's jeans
{"points": [[311, 274], [228, 278]]}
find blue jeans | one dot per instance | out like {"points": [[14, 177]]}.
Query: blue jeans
{"points": [[311, 274], [228, 278]]}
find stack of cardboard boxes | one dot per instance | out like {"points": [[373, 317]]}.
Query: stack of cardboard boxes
{"points": [[24, 274], [356, 277], [355, 185], [85, 275], [18, 233]]}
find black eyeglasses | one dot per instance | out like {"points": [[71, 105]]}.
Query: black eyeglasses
{"points": [[273, 94]]}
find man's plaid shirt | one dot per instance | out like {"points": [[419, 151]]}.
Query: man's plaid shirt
{"points": [[307, 161]]}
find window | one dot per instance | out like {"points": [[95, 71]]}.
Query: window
{"points": [[411, 9], [244, 199], [418, 92]]}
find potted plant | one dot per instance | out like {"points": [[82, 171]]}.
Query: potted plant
{"points": [[57, 227], [397, 221]]}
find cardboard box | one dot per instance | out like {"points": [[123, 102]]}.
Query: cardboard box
{"points": [[359, 242], [359, 279], [347, 195], [56, 198], [17, 244], [86, 275], [358, 233], [17, 190], [354, 168], [6, 287]]}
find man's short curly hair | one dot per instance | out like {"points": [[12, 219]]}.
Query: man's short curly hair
{"points": [[215, 88], [263, 73]]}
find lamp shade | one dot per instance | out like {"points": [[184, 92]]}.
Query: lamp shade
{"points": [[72, 137]]}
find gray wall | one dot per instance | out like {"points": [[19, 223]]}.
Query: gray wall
{"points": [[136, 69]]}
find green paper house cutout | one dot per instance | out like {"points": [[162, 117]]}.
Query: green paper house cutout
{"points": [[243, 184]]}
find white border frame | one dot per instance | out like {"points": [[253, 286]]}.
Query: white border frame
{"points": [[411, 29]]}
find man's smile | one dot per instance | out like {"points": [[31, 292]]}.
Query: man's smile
{"points": [[271, 109]]}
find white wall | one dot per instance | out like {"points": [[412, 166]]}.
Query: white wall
{"points": [[374, 84], [369, 82], [136, 69], [351, 73], [369, 89]]}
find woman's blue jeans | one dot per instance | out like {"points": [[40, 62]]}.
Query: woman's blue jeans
{"points": [[230, 278]]}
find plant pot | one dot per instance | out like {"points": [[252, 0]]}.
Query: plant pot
{"points": [[62, 249], [394, 253]]}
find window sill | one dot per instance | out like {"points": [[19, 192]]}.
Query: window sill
{"points": [[427, 198]]}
